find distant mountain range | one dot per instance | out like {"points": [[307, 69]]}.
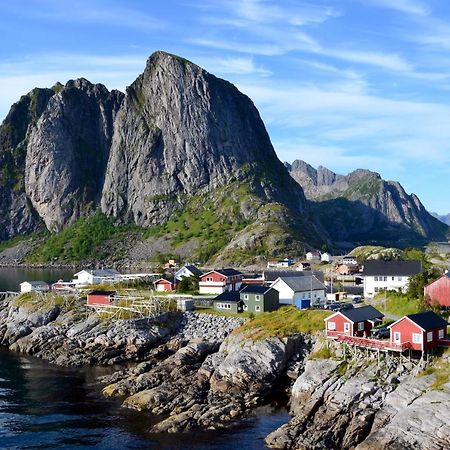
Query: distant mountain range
{"points": [[184, 158], [445, 219], [361, 207]]}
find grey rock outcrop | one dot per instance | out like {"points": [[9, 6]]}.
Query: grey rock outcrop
{"points": [[361, 207]]}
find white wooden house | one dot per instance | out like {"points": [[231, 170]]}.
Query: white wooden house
{"points": [[100, 276]]}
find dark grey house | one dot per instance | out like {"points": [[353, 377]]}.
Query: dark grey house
{"points": [[229, 301], [259, 298]]}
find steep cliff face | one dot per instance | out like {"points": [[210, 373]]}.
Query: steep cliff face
{"points": [[68, 150], [181, 130], [17, 214], [361, 207]]}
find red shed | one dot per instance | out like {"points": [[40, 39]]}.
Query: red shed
{"points": [[439, 290], [163, 285], [100, 297], [423, 330], [353, 322]]}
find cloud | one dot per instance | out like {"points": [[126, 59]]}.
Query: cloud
{"points": [[413, 7], [234, 66]]}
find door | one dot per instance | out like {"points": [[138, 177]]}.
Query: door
{"points": [[397, 337], [346, 328]]}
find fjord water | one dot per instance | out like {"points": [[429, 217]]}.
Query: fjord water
{"points": [[43, 406]]}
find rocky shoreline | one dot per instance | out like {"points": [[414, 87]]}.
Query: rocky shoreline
{"points": [[199, 371]]}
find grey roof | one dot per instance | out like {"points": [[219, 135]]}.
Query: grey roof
{"points": [[428, 320], [272, 275], [255, 289], [197, 272], [374, 267], [228, 272], [303, 283], [36, 283], [228, 296], [103, 272], [362, 314]]}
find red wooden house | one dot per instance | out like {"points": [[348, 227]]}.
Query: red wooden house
{"points": [[353, 322], [100, 297], [163, 285], [423, 330], [439, 290], [218, 281]]}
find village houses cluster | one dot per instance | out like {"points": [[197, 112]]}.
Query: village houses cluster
{"points": [[300, 284]]}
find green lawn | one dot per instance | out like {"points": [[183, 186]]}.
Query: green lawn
{"points": [[284, 322], [396, 304]]}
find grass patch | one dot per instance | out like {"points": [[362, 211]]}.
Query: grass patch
{"points": [[397, 304], [78, 241], [242, 315], [36, 301], [440, 369], [323, 353], [284, 322]]}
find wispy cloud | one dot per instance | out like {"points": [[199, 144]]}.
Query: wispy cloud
{"points": [[414, 7], [233, 65]]}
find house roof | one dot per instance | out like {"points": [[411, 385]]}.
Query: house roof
{"points": [[349, 257], [193, 269], [272, 275], [162, 280], [101, 272], [36, 283], [374, 267], [228, 296], [426, 320], [255, 289], [361, 314], [303, 283], [102, 293], [224, 272]]}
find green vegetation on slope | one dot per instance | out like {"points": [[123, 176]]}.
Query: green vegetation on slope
{"points": [[78, 241], [285, 321], [397, 304]]}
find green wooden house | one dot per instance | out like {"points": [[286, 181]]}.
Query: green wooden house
{"points": [[259, 298], [229, 301]]}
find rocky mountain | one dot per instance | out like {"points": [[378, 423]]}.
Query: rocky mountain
{"points": [[361, 207], [178, 140], [445, 219]]}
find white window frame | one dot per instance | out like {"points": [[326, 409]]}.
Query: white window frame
{"points": [[417, 338], [331, 326], [245, 296], [360, 326], [397, 337], [257, 298], [346, 327], [441, 334], [430, 336], [245, 307], [257, 308]]}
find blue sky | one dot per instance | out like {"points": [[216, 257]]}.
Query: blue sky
{"points": [[345, 84]]}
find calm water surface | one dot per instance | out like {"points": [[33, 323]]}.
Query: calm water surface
{"points": [[43, 406]]}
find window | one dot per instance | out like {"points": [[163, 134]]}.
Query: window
{"points": [[245, 296], [245, 307], [257, 298], [376, 278], [376, 289], [417, 338], [209, 279], [346, 327], [429, 336], [393, 278], [397, 337], [384, 278], [360, 326], [257, 308], [331, 325], [441, 334]]}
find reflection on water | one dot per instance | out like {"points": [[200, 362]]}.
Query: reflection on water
{"points": [[44, 406]]}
